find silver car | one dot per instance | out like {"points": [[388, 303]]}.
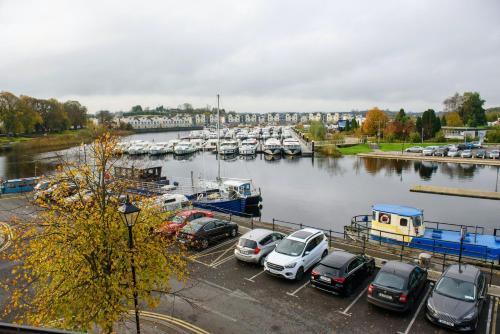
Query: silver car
{"points": [[255, 245], [429, 150]]}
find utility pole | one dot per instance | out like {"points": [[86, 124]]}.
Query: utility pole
{"points": [[218, 139], [422, 134]]}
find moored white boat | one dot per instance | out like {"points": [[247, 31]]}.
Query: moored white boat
{"points": [[272, 146], [158, 148], [248, 146], [291, 146], [184, 147], [229, 147]]}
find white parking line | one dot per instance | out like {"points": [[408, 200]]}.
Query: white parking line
{"points": [[254, 276], [220, 256], [216, 246], [345, 312], [298, 289], [215, 265], [494, 319], [488, 323], [424, 299]]}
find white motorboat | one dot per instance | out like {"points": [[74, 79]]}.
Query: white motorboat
{"points": [[172, 202], [122, 147], [210, 145], [171, 145], [291, 146], [272, 146], [139, 148], [184, 147], [229, 147], [158, 148], [198, 142], [248, 146]]}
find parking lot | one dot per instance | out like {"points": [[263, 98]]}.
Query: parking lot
{"points": [[226, 296]]}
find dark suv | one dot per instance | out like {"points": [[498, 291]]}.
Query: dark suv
{"points": [[457, 298]]}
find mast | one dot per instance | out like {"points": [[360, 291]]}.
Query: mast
{"points": [[218, 139]]}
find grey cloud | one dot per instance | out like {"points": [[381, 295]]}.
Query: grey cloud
{"points": [[260, 55]]}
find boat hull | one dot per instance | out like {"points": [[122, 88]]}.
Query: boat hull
{"points": [[482, 246], [229, 206]]}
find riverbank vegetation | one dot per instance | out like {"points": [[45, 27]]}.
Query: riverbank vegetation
{"points": [[29, 115]]}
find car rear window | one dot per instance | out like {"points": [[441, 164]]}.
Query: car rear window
{"points": [[390, 280], [247, 243], [324, 269]]}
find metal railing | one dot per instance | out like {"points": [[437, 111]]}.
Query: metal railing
{"points": [[403, 252]]}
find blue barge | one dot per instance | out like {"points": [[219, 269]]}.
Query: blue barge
{"points": [[398, 224], [22, 185]]}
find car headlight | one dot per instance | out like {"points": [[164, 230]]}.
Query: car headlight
{"points": [[471, 315], [431, 308], [291, 265]]}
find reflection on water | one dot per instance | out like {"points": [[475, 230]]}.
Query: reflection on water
{"points": [[321, 191]]}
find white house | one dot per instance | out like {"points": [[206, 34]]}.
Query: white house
{"points": [[273, 118], [291, 118]]}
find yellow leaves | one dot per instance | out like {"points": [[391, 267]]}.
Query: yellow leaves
{"points": [[73, 261]]}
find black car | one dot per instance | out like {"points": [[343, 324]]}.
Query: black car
{"points": [[441, 151], [201, 232], [481, 154], [397, 286], [341, 272], [458, 298]]}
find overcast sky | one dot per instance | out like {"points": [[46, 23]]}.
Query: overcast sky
{"points": [[259, 55]]}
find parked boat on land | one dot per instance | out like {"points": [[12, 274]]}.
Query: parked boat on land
{"points": [[272, 146], [397, 224], [291, 146]]}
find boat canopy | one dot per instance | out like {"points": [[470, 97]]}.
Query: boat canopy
{"points": [[406, 211]]}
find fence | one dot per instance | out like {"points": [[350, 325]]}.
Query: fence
{"points": [[402, 251]]}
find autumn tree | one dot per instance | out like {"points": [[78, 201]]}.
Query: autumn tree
{"points": [[375, 121], [317, 130], [10, 113], [453, 119], [77, 114], [72, 263]]}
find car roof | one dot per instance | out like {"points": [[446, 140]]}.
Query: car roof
{"points": [[396, 267], [337, 259], [204, 220], [190, 212], [464, 272], [304, 234], [256, 234]]}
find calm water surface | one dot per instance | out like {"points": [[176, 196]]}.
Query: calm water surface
{"points": [[322, 192]]}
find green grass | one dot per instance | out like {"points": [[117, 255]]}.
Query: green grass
{"points": [[355, 149], [388, 147]]}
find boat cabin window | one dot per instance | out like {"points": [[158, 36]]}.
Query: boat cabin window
{"points": [[245, 189], [417, 221], [403, 222]]}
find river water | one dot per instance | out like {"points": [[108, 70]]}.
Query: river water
{"points": [[323, 192]]}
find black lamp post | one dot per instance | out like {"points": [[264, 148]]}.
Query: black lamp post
{"points": [[129, 213]]}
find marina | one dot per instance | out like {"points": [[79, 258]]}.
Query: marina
{"points": [[456, 192]]}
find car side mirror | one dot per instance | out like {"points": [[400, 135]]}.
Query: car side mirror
{"points": [[306, 253]]}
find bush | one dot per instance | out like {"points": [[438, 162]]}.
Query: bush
{"points": [[414, 137], [493, 135], [390, 138], [330, 150], [440, 137], [317, 131]]}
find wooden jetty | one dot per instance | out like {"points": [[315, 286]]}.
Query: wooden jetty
{"points": [[456, 192], [410, 156], [306, 147]]}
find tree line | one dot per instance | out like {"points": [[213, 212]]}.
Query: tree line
{"points": [[27, 115]]}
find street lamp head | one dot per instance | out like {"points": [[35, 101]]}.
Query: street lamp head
{"points": [[129, 212]]}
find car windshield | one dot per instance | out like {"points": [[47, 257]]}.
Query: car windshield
{"points": [[177, 220], [247, 243], [192, 227], [290, 247], [390, 280], [455, 288]]}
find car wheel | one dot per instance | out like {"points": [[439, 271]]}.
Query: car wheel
{"points": [[371, 269], [299, 274], [204, 244], [261, 261], [325, 253], [410, 304], [233, 233]]}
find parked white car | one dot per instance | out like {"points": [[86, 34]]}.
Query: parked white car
{"points": [[297, 253], [429, 150], [494, 154]]}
